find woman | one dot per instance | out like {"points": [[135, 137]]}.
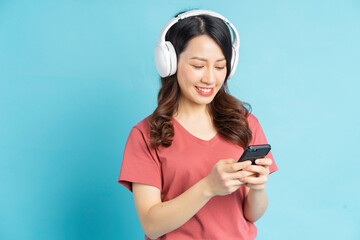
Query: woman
{"points": [[181, 161]]}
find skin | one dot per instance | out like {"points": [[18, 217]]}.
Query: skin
{"points": [[202, 64]]}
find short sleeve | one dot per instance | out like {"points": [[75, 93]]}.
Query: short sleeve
{"points": [[258, 137], [139, 163]]}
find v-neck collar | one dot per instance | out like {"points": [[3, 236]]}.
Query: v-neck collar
{"points": [[192, 137]]}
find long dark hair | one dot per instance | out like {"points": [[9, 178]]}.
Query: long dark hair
{"points": [[229, 114]]}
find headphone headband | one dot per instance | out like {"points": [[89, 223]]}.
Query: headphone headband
{"points": [[165, 29]]}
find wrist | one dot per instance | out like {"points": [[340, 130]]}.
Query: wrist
{"points": [[205, 188], [257, 188]]}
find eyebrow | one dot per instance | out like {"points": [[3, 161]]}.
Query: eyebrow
{"points": [[203, 59]]}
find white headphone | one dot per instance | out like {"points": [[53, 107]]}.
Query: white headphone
{"points": [[165, 55]]}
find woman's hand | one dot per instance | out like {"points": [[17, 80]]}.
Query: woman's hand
{"points": [[224, 176], [260, 173]]}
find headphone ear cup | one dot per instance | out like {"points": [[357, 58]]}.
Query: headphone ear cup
{"points": [[162, 60], [234, 61], [173, 58], [165, 59]]}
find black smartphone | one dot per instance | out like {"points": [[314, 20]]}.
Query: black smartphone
{"points": [[254, 152]]}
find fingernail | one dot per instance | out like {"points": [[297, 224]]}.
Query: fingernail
{"points": [[257, 161]]}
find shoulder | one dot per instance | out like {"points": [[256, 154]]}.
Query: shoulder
{"points": [[143, 124], [254, 124], [252, 120], [143, 127]]}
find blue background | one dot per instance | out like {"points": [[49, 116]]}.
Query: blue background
{"points": [[75, 76]]}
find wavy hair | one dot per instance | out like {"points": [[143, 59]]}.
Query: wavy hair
{"points": [[229, 114]]}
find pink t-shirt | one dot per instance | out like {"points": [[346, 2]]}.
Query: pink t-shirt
{"points": [[175, 169]]}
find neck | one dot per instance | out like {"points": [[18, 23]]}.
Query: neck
{"points": [[191, 111]]}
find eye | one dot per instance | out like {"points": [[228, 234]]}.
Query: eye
{"points": [[220, 68], [197, 67]]}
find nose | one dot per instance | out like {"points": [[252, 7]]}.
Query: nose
{"points": [[209, 76]]}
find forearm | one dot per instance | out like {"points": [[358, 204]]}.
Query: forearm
{"points": [[170, 215], [255, 204]]}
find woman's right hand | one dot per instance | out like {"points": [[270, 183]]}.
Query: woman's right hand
{"points": [[224, 177]]}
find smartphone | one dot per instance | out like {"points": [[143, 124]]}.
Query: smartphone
{"points": [[254, 152]]}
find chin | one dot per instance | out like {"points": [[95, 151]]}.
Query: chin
{"points": [[205, 102]]}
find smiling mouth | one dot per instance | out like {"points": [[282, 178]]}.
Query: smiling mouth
{"points": [[205, 91]]}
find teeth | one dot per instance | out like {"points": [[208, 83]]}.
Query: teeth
{"points": [[205, 89]]}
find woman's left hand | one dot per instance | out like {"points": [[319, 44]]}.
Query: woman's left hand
{"points": [[261, 171]]}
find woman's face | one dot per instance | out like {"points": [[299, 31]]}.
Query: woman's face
{"points": [[201, 70]]}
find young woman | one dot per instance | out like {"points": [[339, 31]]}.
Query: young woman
{"points": [[181, 161]]}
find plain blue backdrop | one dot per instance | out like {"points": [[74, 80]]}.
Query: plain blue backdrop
{"points": [[75, 76]]}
